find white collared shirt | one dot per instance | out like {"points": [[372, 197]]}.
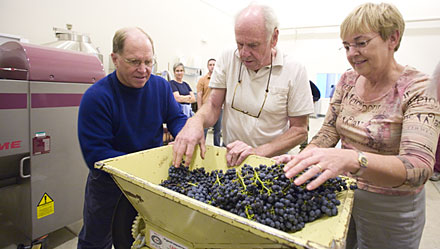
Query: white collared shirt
{"points": [[289, 95]]}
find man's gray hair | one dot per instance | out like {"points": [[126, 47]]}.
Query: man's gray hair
{"points": [[270, 18]]}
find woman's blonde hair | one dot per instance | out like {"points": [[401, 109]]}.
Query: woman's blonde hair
{"points": [[383, 18]]}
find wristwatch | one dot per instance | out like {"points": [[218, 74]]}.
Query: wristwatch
{"points": [[363, 164]]}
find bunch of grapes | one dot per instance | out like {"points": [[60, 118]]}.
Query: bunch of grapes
{"points": [[262, 194]]}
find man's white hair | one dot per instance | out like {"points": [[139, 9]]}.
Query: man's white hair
{"points": [[270, 18]]}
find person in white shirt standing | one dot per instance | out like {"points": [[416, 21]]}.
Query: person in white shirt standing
{"points": [[266, 95]]}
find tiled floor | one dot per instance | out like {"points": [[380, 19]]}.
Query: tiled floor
{"points": [[65, 238]]}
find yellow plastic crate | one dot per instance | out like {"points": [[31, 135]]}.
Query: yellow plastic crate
{"points": [[174, 220]]}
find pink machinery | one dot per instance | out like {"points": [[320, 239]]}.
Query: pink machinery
{"points": [[42, 171]]}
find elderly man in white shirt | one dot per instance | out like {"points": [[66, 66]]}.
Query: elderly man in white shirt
{"points": [[266, 95]]}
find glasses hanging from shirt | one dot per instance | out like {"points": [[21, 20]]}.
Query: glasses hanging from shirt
{"points": [[265, 93]]}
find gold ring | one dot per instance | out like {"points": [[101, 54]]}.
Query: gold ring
{"points": [[319, 166]]}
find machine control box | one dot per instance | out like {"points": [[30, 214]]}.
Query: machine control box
{"points": [[40, 144]]}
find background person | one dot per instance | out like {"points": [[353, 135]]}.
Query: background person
{"points": [[266, 95], [203, 91], [436, 89], [181, 90], [316, 96], [120, 114], [388, 125], [436, 174]]}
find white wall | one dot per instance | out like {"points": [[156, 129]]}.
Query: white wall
{"points": [[318, 48], [196, 30], [177, 27]]}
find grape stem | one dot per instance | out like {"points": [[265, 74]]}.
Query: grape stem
{"points": [[262, 183], [241, 180]]}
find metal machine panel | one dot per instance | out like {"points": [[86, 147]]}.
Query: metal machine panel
{"points": [[42, 171], [14, 125], [15, 205], [24, 61], [61, 170], [14, 148]]}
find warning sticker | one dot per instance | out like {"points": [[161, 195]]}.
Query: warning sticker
{"points": [[159, 241], [45, 207]]}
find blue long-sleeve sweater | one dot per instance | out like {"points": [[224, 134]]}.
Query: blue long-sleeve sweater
{"points": [[115, 120]]}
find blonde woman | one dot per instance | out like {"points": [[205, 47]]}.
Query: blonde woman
{"points": [[388, 125]]}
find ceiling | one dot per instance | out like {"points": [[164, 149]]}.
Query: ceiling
{"points": [[296, 13]]}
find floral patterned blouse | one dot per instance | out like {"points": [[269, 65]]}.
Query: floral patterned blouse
{"points": [[404, 122]]}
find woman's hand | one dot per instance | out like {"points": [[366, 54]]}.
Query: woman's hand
{"points": [[330, 162]]}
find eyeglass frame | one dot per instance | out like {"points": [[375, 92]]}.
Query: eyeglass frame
{"points": [[136, 62], [358, 45], [265, 95]]}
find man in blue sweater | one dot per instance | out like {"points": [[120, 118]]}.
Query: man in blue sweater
{"points": [[120, 114]]}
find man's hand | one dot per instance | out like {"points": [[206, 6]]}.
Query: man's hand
{"points": [[186, 141], [237, 152], [281, 159], [192, 133]]}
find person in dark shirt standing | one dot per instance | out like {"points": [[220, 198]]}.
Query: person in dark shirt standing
{"points": [[181, 90]]}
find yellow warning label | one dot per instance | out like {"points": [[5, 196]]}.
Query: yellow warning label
{"points": [[45, 207]]}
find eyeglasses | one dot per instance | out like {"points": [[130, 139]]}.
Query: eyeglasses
{"points": [[137, 62], [265, 94], [358, 45]]}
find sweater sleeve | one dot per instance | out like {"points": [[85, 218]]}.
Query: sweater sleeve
{"points": [[95, 127]]}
